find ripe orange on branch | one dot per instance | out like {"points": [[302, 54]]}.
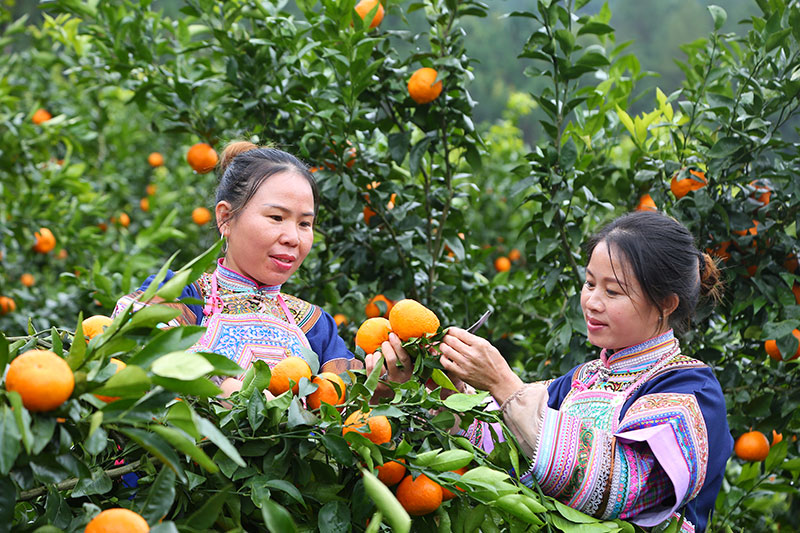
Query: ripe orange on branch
{"points": [[27, 279], [40, 116], [646, 203], [201, 216], [372, 332], [419, 496], [7, 305], [447, 494], [502, 264], [326, 391], [681, 188], [155, 159], [372, 309], [363, 9], [391, 472], [292, 368], [117, 520], [45, 241], [202, 158], [752, 446], [421, 86], [762, 191], [42, 378], [771, 347], [375, 428], [409, 318]]}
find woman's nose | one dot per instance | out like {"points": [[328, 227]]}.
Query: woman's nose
{"points": [[290, 235]]}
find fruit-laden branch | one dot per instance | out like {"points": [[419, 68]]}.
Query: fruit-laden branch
{"points": [[70, 483]]}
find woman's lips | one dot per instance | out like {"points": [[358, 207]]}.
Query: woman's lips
{"points": [[283, 262], [594, 325]]}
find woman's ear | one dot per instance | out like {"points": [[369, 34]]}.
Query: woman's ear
{"points": [[670, 304], [223, 214]]}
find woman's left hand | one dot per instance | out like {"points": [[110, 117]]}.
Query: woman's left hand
{"points": [[475, 361]]}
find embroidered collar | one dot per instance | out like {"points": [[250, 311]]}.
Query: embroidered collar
{"points": [[232, 281], [640, 357]]}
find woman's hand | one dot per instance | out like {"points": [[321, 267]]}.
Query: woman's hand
{"points": [[393, 353], [475, 361]]}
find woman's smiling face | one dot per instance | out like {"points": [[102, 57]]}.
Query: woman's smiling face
{"points": [[272, 235], [617, 312]]}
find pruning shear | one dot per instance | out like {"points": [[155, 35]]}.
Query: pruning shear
{"points": [[481, 321]]}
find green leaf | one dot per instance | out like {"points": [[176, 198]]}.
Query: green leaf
{"points": [[8, 499], [719, 15], [43, 429], [151, 316], [159, 497], [181, 442], [725, 147], [334, 517], [173, 288], [441, 379], [158, 447], [23, 419], [205, 516], [418, 152], [573, 515], [156, 281], [464, 402], [387, 503], [451, 460], [167, 341], [200, 387], [215, 435], [185, 366], [180, 415], [10, 440], [97, 483], [131, 381], [277, 518]]}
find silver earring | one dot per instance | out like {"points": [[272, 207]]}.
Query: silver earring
{"points": [[225, 247]]}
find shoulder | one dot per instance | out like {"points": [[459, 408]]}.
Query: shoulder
{"points": [[306, 315]]}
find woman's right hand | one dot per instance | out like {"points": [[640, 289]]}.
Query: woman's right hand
{"points": [[393, 352]]}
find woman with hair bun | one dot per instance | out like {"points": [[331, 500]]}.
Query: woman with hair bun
{"points": [[266, 207], [639, 433]]}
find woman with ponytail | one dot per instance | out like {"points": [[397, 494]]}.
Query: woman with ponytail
{"points": [[266, 206], [640, 433]]}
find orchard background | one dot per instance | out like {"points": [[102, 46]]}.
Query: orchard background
{"points": [[449, 195]]}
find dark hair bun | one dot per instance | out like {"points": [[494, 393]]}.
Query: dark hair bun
{"points": [[232, 149]]}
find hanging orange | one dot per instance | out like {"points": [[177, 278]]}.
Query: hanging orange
{"points": [[421, 86]]}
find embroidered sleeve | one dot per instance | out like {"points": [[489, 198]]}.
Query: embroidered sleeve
{"points": [[651, 466]]}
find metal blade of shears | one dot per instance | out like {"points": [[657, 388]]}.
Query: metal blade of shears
{"points": [[481, 321]]}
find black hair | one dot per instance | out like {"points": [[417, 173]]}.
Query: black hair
{"points": [[244, 166], [664, 259]]}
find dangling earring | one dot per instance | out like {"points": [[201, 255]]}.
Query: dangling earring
{"points": [[225, 246]]}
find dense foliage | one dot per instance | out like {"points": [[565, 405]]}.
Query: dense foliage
{"points": [[449, 196]]}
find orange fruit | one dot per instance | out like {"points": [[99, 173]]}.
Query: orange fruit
{"points": [[365, 6], [392, 472], [95, 325], [421, 87], [151, 189], [771, 347], [349, 157], [292, 368], [117, 520], [377, 428], [776, 438], [201, 216], [419, 496], [62, 254], [372, 332], [326, 392], [120, 365], [144, 204], [41, 115], [43, 379], [681, 188], [762, 191], [45, 241], [796, 292], [202, 158], [752, 446], [409, 318], [368, 214], [721, 251], [646, 203], [753, 230], [514, 255], [155, 159], [372, 310], [27, 279], [7, 305], [340, 319], [314, 169], [502, 264], [791, 262], [124, 220], [446, 493]]}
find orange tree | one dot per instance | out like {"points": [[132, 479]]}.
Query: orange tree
{"points": [[123, 80]]}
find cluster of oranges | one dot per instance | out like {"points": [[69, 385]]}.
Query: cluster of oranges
{"points": [[286, 375], [503, 263], [407, 319]]}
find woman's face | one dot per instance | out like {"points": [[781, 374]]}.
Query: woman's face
{"points": [[273, 233], [617, 312]]}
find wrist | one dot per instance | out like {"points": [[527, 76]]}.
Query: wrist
{"points": [[503, 389]]}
